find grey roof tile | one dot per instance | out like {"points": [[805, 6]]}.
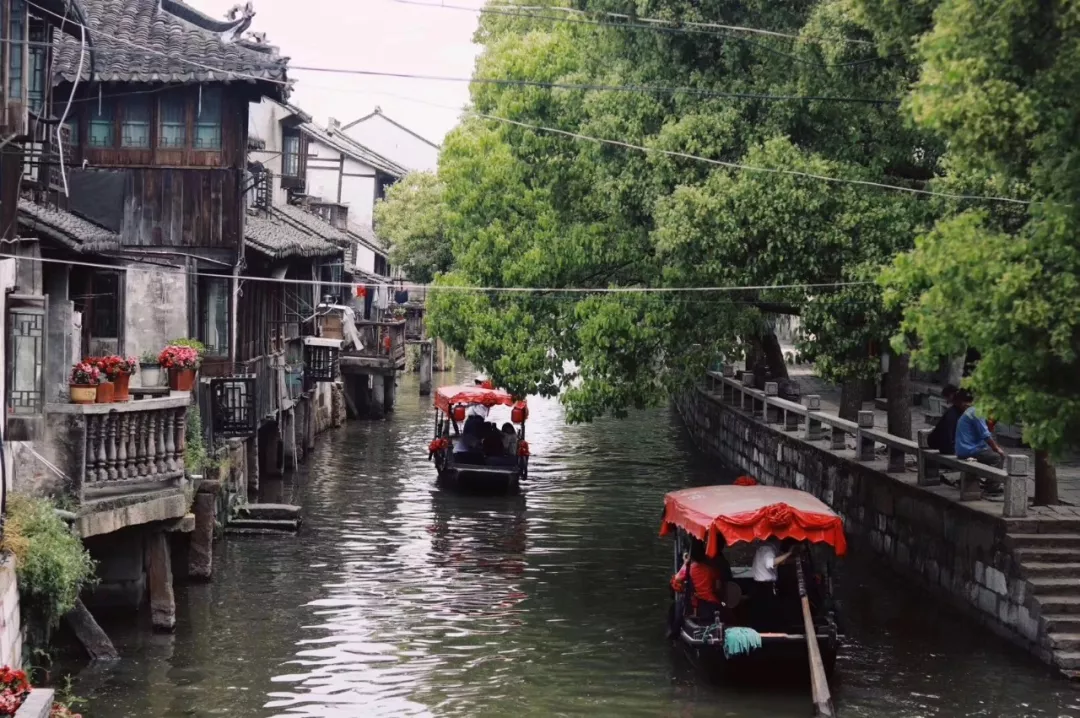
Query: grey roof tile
{"points": [[306, 221], [276, 238], [343, 143], [167, 41], [366, 234], [66, 227]]}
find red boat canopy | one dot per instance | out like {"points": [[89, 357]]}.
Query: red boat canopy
{"points": [[750, 513], [448, 396]]}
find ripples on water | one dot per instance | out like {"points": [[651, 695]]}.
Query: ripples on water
{"points": [[400, 600]]}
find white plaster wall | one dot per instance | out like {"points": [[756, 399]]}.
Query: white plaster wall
{"points": [[156, 308], [365, 259], [264, 123], [395, 144], [10, 617]]}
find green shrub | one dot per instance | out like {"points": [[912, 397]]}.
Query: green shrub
{"points": [[51, 564], [194, 443]]}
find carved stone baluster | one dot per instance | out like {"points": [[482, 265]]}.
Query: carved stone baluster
{"points": [[92, 432], [181, 438], [159, 438], [110, 446], [132, 446], [170, 442], [141, 437], [103, 459], [122, 445], [151, 444]]}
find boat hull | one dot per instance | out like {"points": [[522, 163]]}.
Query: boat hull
{"points": [[481, 479]]}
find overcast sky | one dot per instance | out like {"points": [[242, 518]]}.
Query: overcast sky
{"points": [[378, 35]]}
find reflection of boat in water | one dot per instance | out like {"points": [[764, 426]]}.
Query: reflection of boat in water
{"points": [[472, 454], [755, 623], [479, 534]]}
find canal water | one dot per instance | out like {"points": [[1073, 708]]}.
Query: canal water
{"points": [[397, 599]]}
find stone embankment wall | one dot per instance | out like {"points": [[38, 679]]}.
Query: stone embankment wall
{"points": [[959, 551]]}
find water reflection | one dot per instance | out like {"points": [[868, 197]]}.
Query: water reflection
{"points": [[398, 599]]}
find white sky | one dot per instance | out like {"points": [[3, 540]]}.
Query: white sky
{"points": [[370, 35]]}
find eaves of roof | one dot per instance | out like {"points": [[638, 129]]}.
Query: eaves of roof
{"points": [[69, 229], [278, 239], [348, 146]]}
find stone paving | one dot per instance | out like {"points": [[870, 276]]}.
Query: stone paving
{"points": [[1068, 471]]}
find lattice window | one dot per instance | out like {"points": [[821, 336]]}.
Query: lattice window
{"points": [[232, 406], [27, 361]]}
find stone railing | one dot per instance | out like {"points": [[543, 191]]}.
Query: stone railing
{"points": [[808, 418], [114, 449]]}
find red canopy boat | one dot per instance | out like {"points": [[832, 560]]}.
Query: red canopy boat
{"points": [[446, 397], [751, 513]]}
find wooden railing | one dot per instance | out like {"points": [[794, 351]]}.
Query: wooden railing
{"points": [[373, 336], [807, 418], [111, 449], [414, 323]]}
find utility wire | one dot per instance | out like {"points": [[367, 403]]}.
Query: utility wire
{"points": [[463, 287], [619, 143]]}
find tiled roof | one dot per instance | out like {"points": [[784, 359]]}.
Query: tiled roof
{"points": [[306, 221], [366, 235], [170, 42], [65, 227], [343, 143], [276, 238]]}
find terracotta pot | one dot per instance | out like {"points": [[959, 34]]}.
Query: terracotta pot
{"points": [[120, 387], [83, 393], [105, 392], [181, 379]]}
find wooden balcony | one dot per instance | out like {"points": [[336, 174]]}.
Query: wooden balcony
{"points": [[378, 355], [123, 463]]}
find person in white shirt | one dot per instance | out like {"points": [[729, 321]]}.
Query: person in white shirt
{"points": [[766, 560], [478, 409], [763, 599]]}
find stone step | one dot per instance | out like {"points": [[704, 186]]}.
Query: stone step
{"points": [[1037, 569], [1065, 641], [274, 525], [1058, 603], [1062, 540], [1067, 660], [1062, 622], [1056, 586], [1047, 554], [269, 512]]}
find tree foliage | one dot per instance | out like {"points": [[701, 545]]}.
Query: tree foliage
{"points": [[998, 84], [526, 207], [412, 218]]}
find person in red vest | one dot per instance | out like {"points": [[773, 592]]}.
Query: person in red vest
{"points": [[707, 578]]}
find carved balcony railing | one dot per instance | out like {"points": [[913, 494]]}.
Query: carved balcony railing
{"points": [[118, 449]]}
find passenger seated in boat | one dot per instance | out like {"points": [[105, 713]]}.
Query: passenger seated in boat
{"points": [[707, 582], [510, 440], [492, 441]]}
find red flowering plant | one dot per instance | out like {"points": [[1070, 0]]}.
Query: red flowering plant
{"points": [[114, 365], [176, 356], [85, 373], [14, 687], [59, 710]]}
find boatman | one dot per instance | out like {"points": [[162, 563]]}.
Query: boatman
{"points": [[766, 560], [479, 409]]}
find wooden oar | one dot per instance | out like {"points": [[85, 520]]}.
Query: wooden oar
{"points": [[819, 684]]}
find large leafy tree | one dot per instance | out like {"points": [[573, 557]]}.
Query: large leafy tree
{"points": [[530, 208], [413, 219], [999, 84]]}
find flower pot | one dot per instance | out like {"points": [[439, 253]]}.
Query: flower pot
{"points": [[151, 374], [120, 387], [181, 379], [105, 392], [83, 393]]}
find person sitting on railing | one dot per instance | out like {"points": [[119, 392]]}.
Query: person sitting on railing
{"points": [[974, 440], [943, 438]]}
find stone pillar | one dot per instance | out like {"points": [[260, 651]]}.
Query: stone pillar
{"points": [[251, 446], [201, 549], [390, 390], [60, 338], [425, 368], [377, 408], [812, 430], [864, 445], [748, 382], [770, 414], [929, 472], [310, 421], [270, 449], [159, 573], [288, 436], [1016, 498]]}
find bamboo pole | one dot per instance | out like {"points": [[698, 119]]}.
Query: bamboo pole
{"points": [[819, 684]]}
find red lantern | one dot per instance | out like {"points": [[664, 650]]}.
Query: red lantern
{"points": [[523, 448], [459, 413], [361, 292], [519, 413]]}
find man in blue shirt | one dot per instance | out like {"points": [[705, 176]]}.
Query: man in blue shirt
{"points": [[973, 438]]}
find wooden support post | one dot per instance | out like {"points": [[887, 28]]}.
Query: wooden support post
{"points": [[770, 414], [159, 570], [425, 368], [96, 642], [1016, 496], [929, 472], [864, 445], [812, 429]]}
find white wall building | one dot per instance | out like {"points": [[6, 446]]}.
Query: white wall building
{"points": [[393, 140]]}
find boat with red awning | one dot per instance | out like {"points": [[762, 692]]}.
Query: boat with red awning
{"points": [[721, 529], [473, 453]]}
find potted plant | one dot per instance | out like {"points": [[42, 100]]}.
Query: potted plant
{"points": [[399, 313], [118, 370], [182, 363], [84, 381], [150, 369]]}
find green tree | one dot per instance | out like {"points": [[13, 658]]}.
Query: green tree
{"points": [[412, 218], [998, 84], [531, 208]]}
